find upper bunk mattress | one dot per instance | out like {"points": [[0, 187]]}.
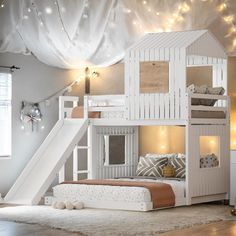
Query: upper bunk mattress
{"points": [[83, 192]]}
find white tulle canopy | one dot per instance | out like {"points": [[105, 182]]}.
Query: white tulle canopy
{"points": [[78, 33]]}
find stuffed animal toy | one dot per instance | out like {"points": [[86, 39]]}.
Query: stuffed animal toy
{"points": [[68, 205]]}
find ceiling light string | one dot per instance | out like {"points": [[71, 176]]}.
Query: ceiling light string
{"points": [[62, 23], [227, 16], [178, 16], [46, 34], [76, 35]]}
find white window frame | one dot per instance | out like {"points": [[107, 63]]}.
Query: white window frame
{"points": [[8, 101]]}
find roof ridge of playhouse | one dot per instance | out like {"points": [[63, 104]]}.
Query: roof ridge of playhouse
{"points": [[180, 39]]}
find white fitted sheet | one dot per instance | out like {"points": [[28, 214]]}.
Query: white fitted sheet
{"points": [[82, 192]]}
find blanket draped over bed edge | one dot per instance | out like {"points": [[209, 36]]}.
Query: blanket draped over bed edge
{"points": [[162, 194]]}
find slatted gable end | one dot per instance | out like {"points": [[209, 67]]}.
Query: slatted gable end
{"points": [[208, 46]]}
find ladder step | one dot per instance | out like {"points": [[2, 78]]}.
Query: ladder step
{"points": [[83, 147]]}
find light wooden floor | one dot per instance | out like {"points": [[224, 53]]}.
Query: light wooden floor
{"points": [[227, 228]]}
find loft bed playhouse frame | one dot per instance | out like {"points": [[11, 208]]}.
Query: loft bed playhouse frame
{"points": [[123, 114]]}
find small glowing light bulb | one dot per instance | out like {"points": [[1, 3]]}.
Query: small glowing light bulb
{"points": [[233, 29], [163, 146], [157, 13], [29, 10], [222, 7], [22, 127], [228, 19], [184, 7], [48, 10], [144, 2], [2, 5], [42, 127], [134, 23]]}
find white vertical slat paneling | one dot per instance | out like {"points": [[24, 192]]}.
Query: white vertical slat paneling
{"points": [[167, 106], [182, 82], [157, 105], [141, 104], [152, 106], [136, 83], [208, 181], [172, 84], [162, 106], [146, 106], [177, 82], [132, 85], [130, 165]]}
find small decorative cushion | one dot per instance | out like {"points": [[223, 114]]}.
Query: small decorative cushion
{"points": [[179, 165], [148, 166], [78, 112], [213, 91], [208, 161], [168, 171], [197, 89]]}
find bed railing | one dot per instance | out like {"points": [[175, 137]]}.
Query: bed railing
{"points": [[150, 106], [66, 104], [110, 106], [222, 105], [153, 106]]}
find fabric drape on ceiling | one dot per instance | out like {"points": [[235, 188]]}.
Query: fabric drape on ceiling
{"points": [[78, 33]]}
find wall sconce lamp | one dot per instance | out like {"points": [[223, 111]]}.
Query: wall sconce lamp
{"points": [[88, 76]]}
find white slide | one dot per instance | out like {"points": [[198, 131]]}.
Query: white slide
{"points": [[43, 167]]}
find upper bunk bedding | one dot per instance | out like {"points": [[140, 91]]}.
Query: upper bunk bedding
{"points": [[156, 192]]}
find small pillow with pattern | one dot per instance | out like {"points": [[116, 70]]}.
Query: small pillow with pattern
{"points": [[148, 166], [208, 161], [179, 165]]}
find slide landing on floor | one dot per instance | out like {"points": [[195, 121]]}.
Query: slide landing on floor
{"points": [[47, 162]]}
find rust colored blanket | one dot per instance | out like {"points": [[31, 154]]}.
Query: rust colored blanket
{"points": [[162, 194]]}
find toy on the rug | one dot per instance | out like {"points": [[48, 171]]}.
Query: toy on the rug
{"points": [[68, 205]]}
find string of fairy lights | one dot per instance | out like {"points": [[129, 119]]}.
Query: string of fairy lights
{"points": [[228, 17], [171, 20]]}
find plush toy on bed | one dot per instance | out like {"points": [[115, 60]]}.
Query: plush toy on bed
{"points": [[168, 170], [68, 205]]}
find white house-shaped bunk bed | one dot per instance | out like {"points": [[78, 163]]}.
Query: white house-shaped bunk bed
{"points": [[123, 114]]}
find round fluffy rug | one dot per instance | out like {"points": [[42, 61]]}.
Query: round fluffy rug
{"points": [[113, 222]]}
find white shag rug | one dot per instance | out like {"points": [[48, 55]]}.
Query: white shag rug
{"points": [[113, 222]]}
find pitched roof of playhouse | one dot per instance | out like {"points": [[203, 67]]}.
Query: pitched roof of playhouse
{"points": [[197, 42]]}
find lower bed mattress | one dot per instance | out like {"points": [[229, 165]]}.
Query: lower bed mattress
{"points": [[117, 197]]}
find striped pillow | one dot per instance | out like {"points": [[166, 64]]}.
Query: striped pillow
{"points": [[179, 166], [148, 166]]}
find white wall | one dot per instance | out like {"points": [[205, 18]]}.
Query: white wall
{"points": [[33, 82]]}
